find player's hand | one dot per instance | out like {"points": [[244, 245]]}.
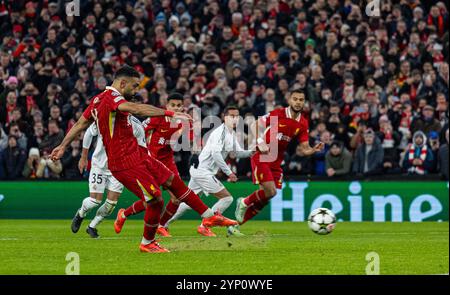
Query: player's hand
{"points": [[318, 147], [232, 178], [183, 116], [263, 148], [57, 153], [82, 164]]}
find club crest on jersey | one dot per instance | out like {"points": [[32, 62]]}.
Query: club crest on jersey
{"points": [[115, 93], [96, 100]]}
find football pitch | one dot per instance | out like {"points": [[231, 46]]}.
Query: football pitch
{"points": [[41, 247]]}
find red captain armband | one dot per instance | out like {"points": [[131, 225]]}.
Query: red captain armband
{"points": [[169, 113]]}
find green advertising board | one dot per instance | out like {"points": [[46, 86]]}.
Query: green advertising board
{"points": [[351, 201]]}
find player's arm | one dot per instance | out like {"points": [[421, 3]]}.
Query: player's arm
{"points": [[145, 110], [79, 126], [303, 138], [240, 152], [259, 128], [87, 141], [307, 150]]}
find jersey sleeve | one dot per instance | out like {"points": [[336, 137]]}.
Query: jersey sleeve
{"points": [[303, 135], [150, 123], [116, 101], [87, 114], [90, 133]]}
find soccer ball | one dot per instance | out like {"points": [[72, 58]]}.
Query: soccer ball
{"points": [[322, 221]]}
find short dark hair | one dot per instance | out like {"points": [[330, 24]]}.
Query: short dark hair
{"points": [[53, 121], [175, 96], [300, 92], [127, 71], [230, 108]]}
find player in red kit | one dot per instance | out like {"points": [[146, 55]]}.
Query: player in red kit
{"points": [[279, 127], [130, 164], [161, 132]]}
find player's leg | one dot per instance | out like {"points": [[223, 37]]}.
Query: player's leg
{"points": [[114, 188], [269, 180], [179, 189], [96, 189], [170, 210], [258, 200], [141, 183], [211, 185], [172, 205], [183, 207]]}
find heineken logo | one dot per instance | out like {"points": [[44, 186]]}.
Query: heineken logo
{"points": [[357, 201]]}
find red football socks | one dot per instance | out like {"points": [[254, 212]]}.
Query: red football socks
{"points": [[151, 219], [136, 208], [185, 194], [170, 210]]}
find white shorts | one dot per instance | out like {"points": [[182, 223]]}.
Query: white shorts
{"points": [[204, 182], [100, 179]]}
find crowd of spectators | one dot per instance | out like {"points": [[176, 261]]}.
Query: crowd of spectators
{"points": [[377, 87]]}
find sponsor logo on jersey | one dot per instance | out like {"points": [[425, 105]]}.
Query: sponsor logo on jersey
{"points": [[164, 130], [119, 98], [281, 136]]}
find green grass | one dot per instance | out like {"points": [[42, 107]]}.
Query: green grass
{"points": [[40, 247]]}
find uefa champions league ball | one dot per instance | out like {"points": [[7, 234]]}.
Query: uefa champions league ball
{"points": [[322, 221]]}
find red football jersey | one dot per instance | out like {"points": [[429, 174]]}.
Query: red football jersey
{"points": [[159, 132], [115, 127], [288, 128]]}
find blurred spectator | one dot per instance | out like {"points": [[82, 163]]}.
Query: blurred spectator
{"points": [[70, 160], [12, 160], [53, 138], [250, 53], [20, 137], [369, 156], [319, 158], [389, 138], [427, 122], [298, 164], [3, 139], [338, 160], [434, 144], [443, 158], [418, 157], [49, 169], [32, 164]]}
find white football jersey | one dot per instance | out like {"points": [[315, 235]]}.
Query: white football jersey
{"points": [[220, 143], [99, 158]]}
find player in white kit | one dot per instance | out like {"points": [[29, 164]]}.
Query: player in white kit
{"points": [[101, 179], [220, 143]]}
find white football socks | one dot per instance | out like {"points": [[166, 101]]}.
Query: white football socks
{"points": [[87, 205], [104, 211], [222, 204]]}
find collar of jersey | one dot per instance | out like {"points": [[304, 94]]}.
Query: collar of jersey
{"points": [[113, 89]]}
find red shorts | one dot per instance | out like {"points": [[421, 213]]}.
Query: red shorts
{"points": [[144, 180], [265, 172], [170, 164]]}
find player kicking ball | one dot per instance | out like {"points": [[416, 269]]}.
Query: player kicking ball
{"points": [[161, 132], [220, 143], [268, 174], [130, 164], [100, 179]]}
